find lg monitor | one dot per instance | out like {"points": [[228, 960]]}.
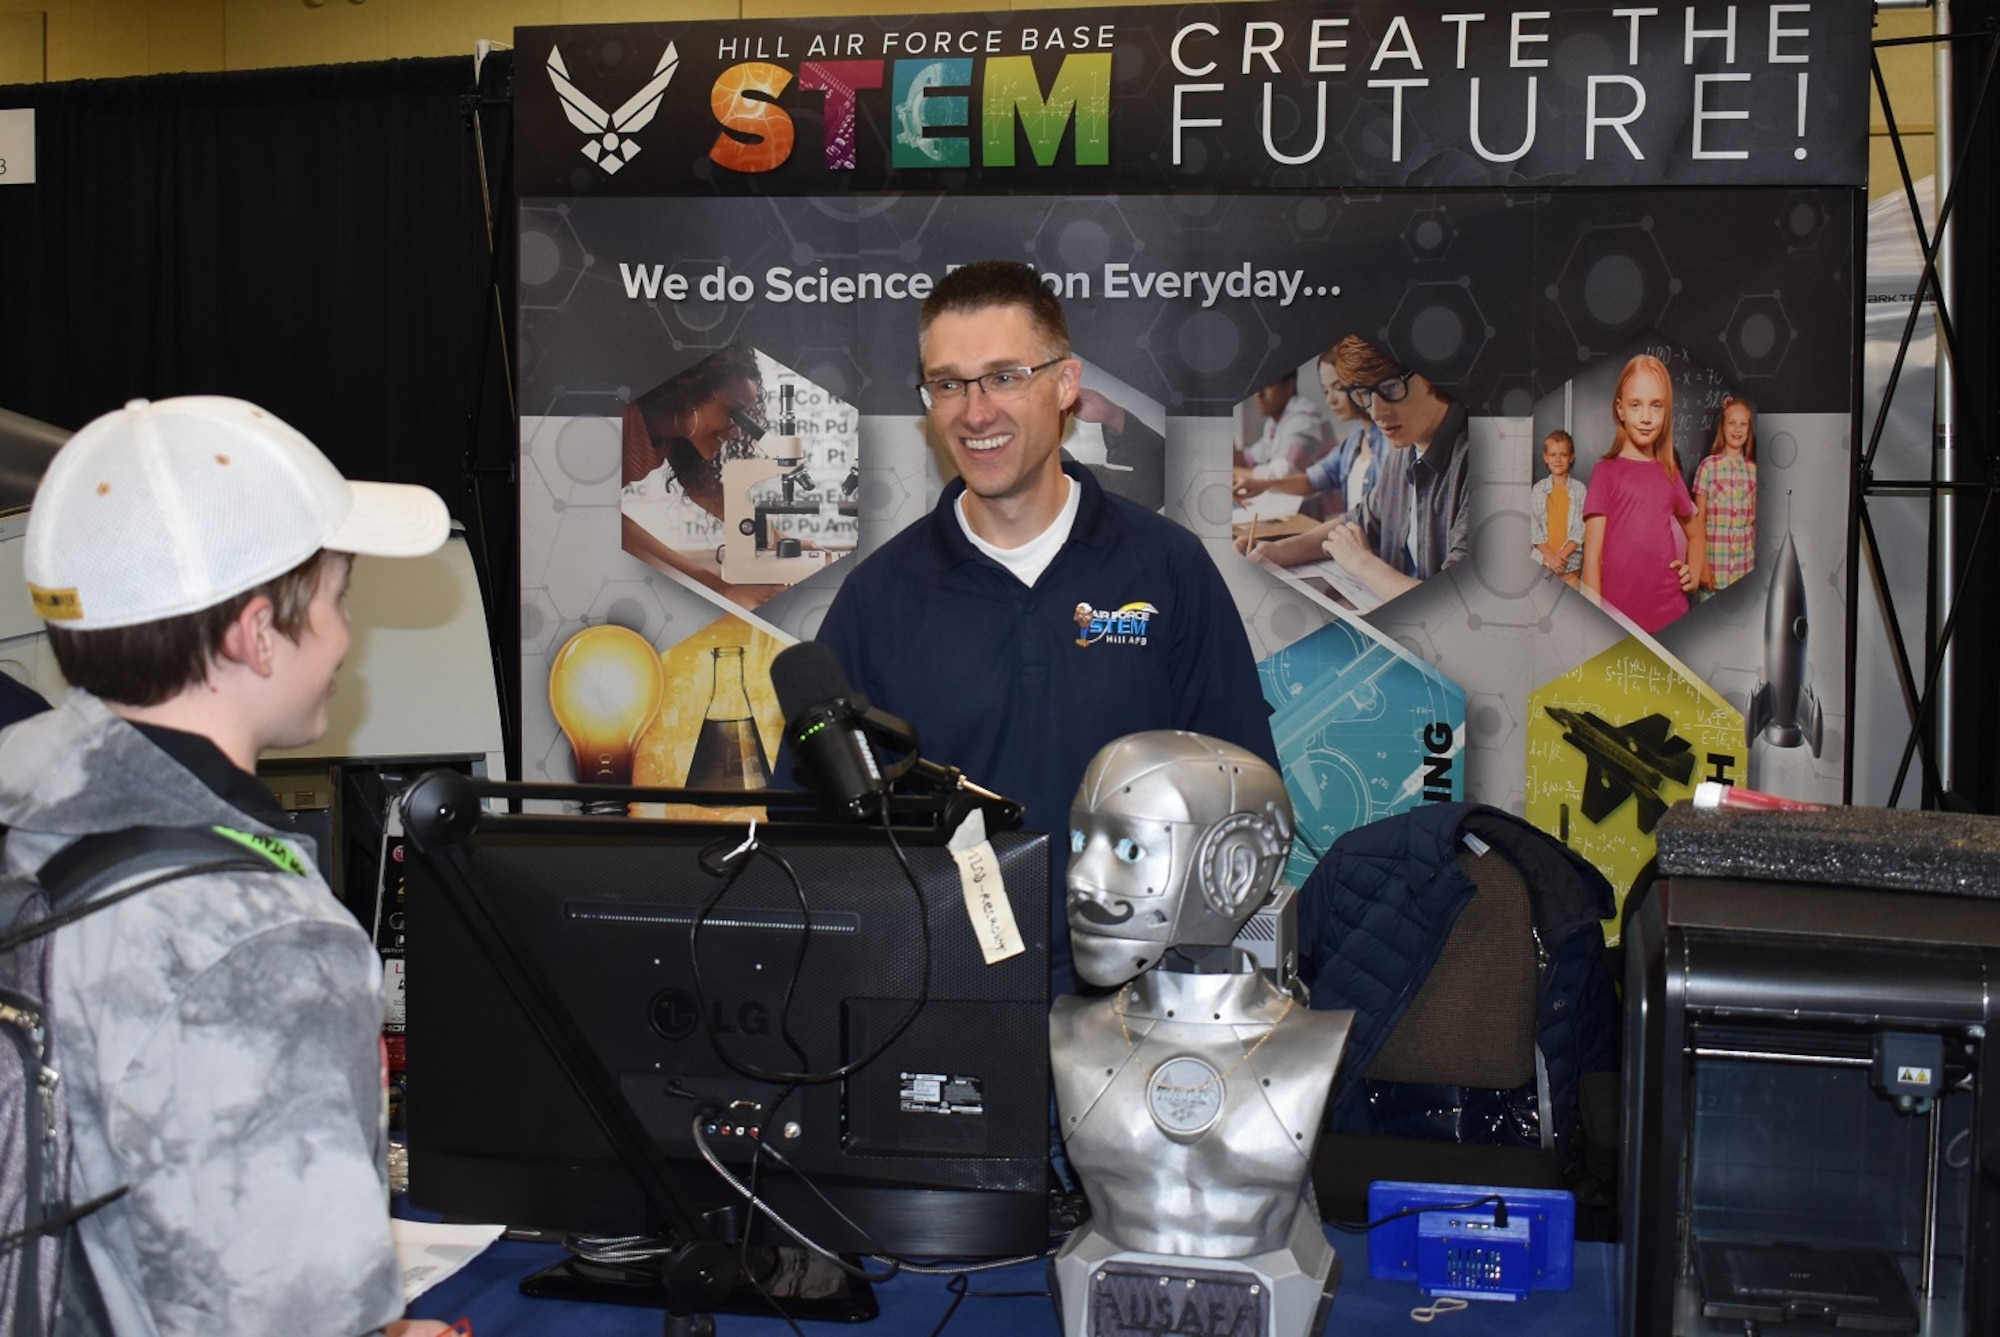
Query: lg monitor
{"points": [[816, 989]]}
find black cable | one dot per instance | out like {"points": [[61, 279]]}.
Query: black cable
{"points": [[754, 1203], [960, 1287], [894, 1266], [764, 1147], [744, 1271], [1363, 1227], [729, 869]]}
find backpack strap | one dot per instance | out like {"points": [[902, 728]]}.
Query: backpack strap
{"points": [[151, 855], [62, 1220], [170, 853]]}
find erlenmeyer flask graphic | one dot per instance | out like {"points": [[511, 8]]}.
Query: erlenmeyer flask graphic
{"points": [[727, 752]]}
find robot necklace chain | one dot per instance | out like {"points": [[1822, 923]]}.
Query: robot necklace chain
{"points": [[1132, 1046]]}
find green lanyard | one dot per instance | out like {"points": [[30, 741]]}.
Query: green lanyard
{"points": [[272, 848]]}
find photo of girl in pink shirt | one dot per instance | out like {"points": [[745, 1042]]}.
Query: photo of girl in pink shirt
{"points": [[1642, 540]]}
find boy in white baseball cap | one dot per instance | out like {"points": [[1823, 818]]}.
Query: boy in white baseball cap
{"points": [[218, 1035]]}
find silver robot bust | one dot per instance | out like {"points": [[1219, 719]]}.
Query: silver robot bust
{"points": [[1190, 1098]]}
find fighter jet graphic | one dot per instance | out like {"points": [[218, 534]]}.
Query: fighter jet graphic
{"points": [[611, 145], [1783, 707], [1626, 761]]}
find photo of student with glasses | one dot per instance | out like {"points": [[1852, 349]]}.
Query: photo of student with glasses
{"points": [[1416, 518]]}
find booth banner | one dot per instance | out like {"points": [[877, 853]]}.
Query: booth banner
{"points": [[718, 367], [1219, 98]]}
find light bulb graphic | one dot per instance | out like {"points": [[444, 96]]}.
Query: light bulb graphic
{"points": [[605, 687]]}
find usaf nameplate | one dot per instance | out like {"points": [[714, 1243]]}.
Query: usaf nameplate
{"points": [[1141, 1300]]}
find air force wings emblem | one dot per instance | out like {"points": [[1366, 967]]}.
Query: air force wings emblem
{"points": [[611, 145]]}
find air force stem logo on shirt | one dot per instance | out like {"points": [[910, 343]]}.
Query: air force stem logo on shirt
{"points": [[1125, 625]]}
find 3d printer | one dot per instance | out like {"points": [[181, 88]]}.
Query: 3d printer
{"points": [[1811, 1139]]}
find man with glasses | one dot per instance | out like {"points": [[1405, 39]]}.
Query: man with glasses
{"points": [[1031, 617], [1416, 519]]}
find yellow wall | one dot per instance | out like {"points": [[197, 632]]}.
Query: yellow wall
{"points": [[1907, 71], [264, 33], [109, 39], [21, 47], [101, 39]]}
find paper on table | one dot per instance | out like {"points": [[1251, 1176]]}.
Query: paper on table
{"points": [[1266, 506], [429, 1251], [1347, 587]]}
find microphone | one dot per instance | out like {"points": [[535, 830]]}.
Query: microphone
{"points": [[823, 719], [829, 724]]}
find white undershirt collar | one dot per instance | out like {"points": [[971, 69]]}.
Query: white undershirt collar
{"points": [[1028, 561]]}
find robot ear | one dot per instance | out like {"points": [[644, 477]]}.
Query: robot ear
{"points": [[1238, 860]]}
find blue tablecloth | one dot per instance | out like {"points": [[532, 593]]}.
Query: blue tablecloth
{"points": [[1014, 1302]]}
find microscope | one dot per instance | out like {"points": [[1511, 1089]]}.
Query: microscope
{"points": [[755, 551]]}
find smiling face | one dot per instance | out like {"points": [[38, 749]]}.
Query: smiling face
{"points": [[1558, 454], [308, 664], [1643, 409], [1735, 428], [1007, 451]]}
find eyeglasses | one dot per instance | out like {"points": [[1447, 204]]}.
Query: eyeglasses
{"points": [[1006, 383], [1392, 391]]}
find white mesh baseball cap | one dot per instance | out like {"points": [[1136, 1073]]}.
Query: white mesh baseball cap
{"points": [[160, 509]]}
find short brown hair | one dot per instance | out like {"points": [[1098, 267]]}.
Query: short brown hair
{"points": [[990, 283], [1356, 361], [148, 663], [1559, 437]]}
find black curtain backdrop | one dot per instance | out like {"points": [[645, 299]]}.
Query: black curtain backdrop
{"points": [[314, 240]]}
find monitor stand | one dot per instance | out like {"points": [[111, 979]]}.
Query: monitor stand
{"points": [[787, 1280]]}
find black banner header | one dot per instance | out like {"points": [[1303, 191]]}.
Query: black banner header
{"points": [[1218, 98]]}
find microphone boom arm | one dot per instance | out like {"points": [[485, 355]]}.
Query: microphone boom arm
{"points": [[956, 795]]}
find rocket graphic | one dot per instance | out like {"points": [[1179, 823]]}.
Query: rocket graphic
{"points": [[1783, 706]]}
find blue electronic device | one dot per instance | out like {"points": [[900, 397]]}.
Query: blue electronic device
{"points": [[1472, 1256], [1450, 1246]]}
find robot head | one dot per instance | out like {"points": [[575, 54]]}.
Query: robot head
{"points": [[1175, 840]]}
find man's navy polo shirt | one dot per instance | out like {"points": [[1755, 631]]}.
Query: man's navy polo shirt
{"points": [[1130, 628]]}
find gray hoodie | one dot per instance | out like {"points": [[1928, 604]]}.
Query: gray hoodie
{"points": [[220, 1040]]}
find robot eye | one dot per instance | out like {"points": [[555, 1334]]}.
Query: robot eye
{"points": [[1076, 841], [1128, 850]]}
